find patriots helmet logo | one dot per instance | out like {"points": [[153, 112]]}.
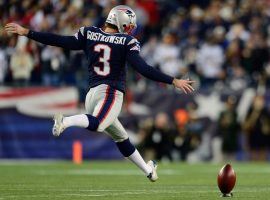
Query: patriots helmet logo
{"points": [[128, 12]]}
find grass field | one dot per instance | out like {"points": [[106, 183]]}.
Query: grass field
{"points": [[123, 181]]}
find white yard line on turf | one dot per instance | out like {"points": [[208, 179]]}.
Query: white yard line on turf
{"points": [[85, 195], [14, 162], [109, 194], [102, 172]]}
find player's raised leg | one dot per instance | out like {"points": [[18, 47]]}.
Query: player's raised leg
{"points": [[99, 101], [120, 136], [83, 120]]}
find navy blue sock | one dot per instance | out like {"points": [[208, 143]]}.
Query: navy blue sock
{"points": [[125, 147], [93, 122]]}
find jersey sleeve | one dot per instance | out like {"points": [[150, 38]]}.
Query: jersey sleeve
{"points": [[80, 36], [133, 46], [138, 63], [76, 42]]}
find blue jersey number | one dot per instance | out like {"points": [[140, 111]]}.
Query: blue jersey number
{"points": [[104, 59]]}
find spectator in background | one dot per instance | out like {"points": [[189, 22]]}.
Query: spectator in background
{"points": [[216, 15], [255, 55], [190, 128], [194, 22], [33, 48], [52, 60], [151, 8], [166, 56], [233, 53], [157, 138], [210, 60], [237, 78], [189, 49], [148, 50], [228, 129], [238, 31], [3, 66], [257, 128], [21, 65], [219, 35]]}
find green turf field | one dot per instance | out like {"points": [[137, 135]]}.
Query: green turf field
{"points": [[122, 181]]}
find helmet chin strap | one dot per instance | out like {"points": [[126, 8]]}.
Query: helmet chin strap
{"points": [[129, 28]]}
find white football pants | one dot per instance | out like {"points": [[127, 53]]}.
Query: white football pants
{"points": [[105, 103]]}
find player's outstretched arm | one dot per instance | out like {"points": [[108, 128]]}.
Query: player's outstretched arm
{"points": [[136, 61], [67, 42]]}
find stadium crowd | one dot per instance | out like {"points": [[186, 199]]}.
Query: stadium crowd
{"points": [[221, 44]]}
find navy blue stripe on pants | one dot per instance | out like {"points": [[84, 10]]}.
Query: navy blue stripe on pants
{"points": [[107, 104]]}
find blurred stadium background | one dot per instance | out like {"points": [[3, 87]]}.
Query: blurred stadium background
{"points": [[223, 45]]}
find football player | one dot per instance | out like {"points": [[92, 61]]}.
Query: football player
{"points": [[107, 51]]}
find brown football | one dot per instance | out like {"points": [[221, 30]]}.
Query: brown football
{"points": [[226, 179]]}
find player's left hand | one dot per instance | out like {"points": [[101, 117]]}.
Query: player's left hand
{"points": [[184, 85], [16, 29]]}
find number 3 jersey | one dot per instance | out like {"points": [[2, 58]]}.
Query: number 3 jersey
{"points": [[106, 54]]}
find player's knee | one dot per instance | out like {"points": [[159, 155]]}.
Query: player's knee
{"points": [[101, 128], [93, 123], [119, 138]]}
